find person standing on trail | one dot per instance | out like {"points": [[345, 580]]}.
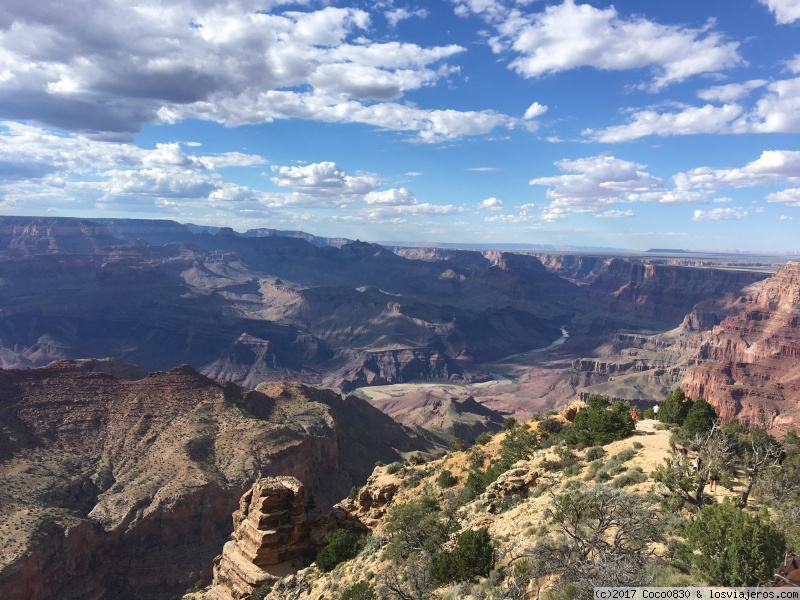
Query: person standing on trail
{"points": [[655, 411], [634, 416]]}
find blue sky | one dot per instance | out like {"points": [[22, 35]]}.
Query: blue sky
{"points": [[637, 124]]}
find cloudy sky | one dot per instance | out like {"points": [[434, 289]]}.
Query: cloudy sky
{"points": [[636, 124]]}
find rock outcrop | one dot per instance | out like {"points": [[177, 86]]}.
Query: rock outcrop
{"points": [[750, 363], [117, 488], [270, 537]]}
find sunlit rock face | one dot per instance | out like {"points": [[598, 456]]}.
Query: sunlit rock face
{"points": [[118, 483], [750, 362], [270, 536]]}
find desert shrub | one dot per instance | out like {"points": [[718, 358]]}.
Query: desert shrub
{"points": [[394, 467], [614, 467], [733, 548], [648, 413], [573, 470], [509, 423], [472, 557], [415, 526], [483, 438], [675, 407], [700, 417], [353, 493], [457, 445], [551, 426], [593, 469], [550, 465], [341, 546], [632, 477], [565, 460], [262, 592], [417, 459], [446, 479], [601, 423], [665, 574], [518, 444], [358, 591], [594, 453], [414, 479], [624, 455], [638, 445]]}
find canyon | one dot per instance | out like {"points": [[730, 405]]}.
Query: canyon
{"points": [[121, 483], [152, 371]]}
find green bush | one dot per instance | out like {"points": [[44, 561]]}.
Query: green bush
{"points": [[415, 526], [624, 455], [261, 592], [700, 417], [732, 548], [551, 426], [518, 444], [483, 438], [353, 493], [446, 479], [594, 453], [341, 546], [457, 445], [394, 467], [417, 459], [600, 423], [509, 423], [675, 407], [472, 557], [358, 591], [632, 477]]}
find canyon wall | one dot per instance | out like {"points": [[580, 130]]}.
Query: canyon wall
{"points": [[118, 487], [750, 363]]}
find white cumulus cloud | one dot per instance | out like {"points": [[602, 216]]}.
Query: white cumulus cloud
{"points": [[491, 204], [786, 11], [720, 214], [790, 197], [107, 68], [393, 197], [572, 35]]}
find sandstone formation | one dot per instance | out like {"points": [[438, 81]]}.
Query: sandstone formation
{"points": [[121, 487], [750, 363], [270, 537]]}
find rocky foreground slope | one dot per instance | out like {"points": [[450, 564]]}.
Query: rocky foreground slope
{"points": [[120, 484], [516, 509]]}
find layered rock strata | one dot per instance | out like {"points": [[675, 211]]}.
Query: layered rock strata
{"points": [[117, 485], [270, 536], [750, 363]]}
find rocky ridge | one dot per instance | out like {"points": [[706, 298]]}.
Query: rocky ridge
{"points": [[117, 486], [513, 508]]}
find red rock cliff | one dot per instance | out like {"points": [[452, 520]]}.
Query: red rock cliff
{"points": [[750, 366]]}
